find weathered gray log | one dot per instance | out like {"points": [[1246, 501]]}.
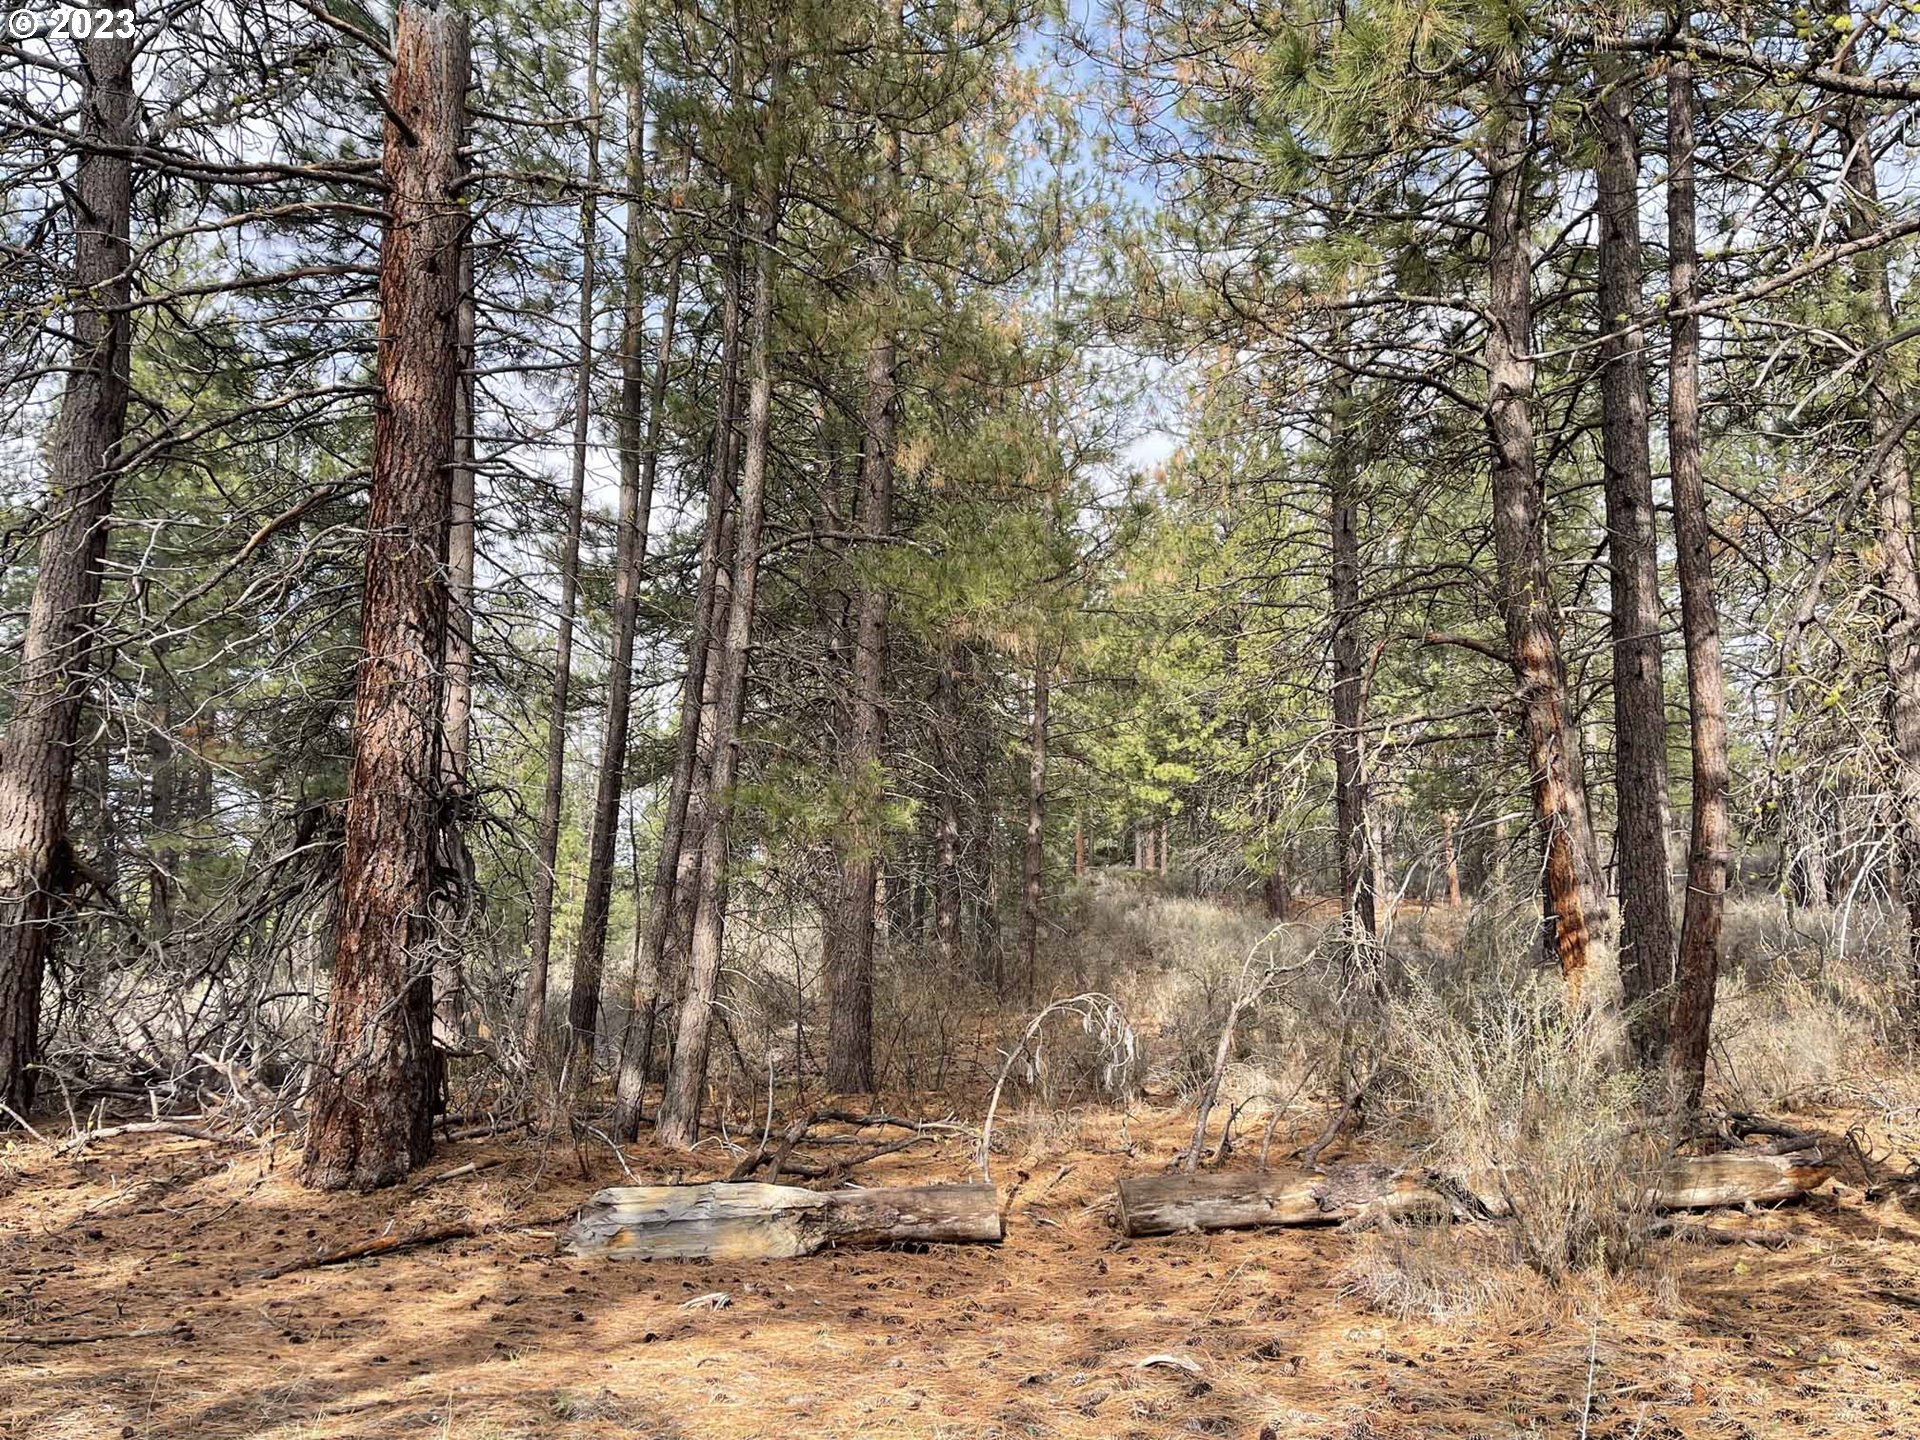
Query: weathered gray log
{"points": [[1739, 1177], [1241, 1200], [1172, 1204], [724, 1221]]}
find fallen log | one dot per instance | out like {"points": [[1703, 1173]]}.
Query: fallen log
{"points": [[1230, 1200], [1172, 1204], [1737, 1177], [724, 1221]]}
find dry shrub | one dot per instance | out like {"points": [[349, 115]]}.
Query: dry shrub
{"points": [[1511, 1082]]}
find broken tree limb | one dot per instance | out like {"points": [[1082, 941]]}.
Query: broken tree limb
{"points": [[179, 1329], [1172, 1204], [725, 1221], [393, 1244], [800, 1132]]}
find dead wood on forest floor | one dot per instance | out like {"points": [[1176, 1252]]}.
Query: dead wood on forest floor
{"points": [[1368, 1193]]}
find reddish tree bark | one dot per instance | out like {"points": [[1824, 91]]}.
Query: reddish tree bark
{"points": [[36, 773], [1572, 892], [370, 1113]]}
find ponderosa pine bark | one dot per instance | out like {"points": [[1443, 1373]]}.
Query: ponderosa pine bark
{"points": [[36, 767], [547, 854], [1703, 916], [850, 975], [678, 1123], [1526, 598], [370, 1113], [1639, 693]]}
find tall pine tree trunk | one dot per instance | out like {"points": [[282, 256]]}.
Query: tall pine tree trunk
{"points": [[1348, 696], [1889, 401], [370, 1115], [1526, 591], [700, 793], [546, 859], [640, 415], [680, 826], [678, 1123], [36, 767], [850, 977], [1702, 918], [1639, 695]]}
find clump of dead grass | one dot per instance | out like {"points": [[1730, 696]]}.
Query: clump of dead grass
{"points": [[1808, 1009], [1428, 1272]]}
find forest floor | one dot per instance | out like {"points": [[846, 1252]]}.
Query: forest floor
{"points": [[147, 1253]]}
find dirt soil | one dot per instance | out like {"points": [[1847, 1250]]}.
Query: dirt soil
{"points": [[144, 1256]]}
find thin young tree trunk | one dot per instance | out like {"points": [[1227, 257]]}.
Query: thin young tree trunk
{"points": [[36, 773], [1700, 926], [163, 782], [1899, 575], [983, 842], [680, 826], [1526, 588], [1639, 694], [456, 721], [850, 978], [699, 805], [1357, 889], [370, 1115], [546, 860], [639, 464], [678, 1123], [1033, 893], [946, 863]]}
